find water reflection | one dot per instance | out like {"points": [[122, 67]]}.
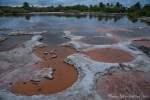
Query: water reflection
{"points": [[27, 17], [80, 25], [106, 17], [100, 17], [133, 19]]}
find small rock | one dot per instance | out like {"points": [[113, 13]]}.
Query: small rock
{"points": [[36, 63], [24, 82], [54, 56], [51, 52], [39, 89], [45, 53]]}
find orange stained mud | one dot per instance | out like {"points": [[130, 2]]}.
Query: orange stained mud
{"points": [[142, 42], [110, 55], [64, 76], [73, 30], [1, 71], [124, 83]]}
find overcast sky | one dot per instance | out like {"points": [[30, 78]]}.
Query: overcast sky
{"points": [[127, 3]]}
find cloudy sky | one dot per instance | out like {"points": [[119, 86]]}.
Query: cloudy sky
{"points": [[127, 3]]}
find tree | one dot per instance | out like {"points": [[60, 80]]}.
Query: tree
{"points": [[111, 5], [108, 5], [118, 5], [137, 6], [25, 5], [147, 7], [101, 5]]}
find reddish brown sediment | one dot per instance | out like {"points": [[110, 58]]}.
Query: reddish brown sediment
{"points": [[1, 71], [73, 31], [142, 42], [110, 55], [64, 76], [124, 83]]}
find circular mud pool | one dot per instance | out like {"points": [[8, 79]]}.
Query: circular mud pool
{"points": [[133, 85], [142, 42], [98, 41], [110, 55], [64, 76]]}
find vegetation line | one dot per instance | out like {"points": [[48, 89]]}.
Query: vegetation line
{"points": [[135, 10]]}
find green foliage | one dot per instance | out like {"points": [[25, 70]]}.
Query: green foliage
{"points": [[25, 5], [15, 11], [135, 10], [148, 13], [1, 12], [101, 5], [147, 7]]}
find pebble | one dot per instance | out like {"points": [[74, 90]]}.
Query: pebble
{"points": [[51, 52], [54, 56], [45, 53], [24, 82]]}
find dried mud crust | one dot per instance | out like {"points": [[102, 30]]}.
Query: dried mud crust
{"points": [[18, 33], [110, 55], [88, 72], [124, 85]]}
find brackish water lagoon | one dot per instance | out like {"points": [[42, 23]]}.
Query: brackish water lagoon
{"points": [[74, 56]]}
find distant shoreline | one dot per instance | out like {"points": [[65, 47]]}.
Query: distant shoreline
{"points": [[80, 13]]}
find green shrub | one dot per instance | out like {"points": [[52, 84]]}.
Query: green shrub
{"points": [[1, 12], [148, 13]]}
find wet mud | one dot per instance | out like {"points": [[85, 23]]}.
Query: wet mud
{"points": [[65, 75], [110, 55], [145, 43]]}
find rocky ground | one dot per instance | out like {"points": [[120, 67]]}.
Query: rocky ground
{"points": [[96, 79]]}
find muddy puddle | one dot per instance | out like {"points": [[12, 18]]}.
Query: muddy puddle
{"points": [[98, 40], [110, 55], [142, 42], [64, 76]]}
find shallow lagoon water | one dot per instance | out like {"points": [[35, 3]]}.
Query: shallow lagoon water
{"points": [[82, 25]]}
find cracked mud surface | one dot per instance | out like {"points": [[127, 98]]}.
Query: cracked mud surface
{"points": [[124, 83]]}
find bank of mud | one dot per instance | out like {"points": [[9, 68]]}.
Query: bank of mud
{"points": [[82, 81]]}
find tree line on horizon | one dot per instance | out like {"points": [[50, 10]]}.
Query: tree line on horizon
{"points": [[135, 10]]}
